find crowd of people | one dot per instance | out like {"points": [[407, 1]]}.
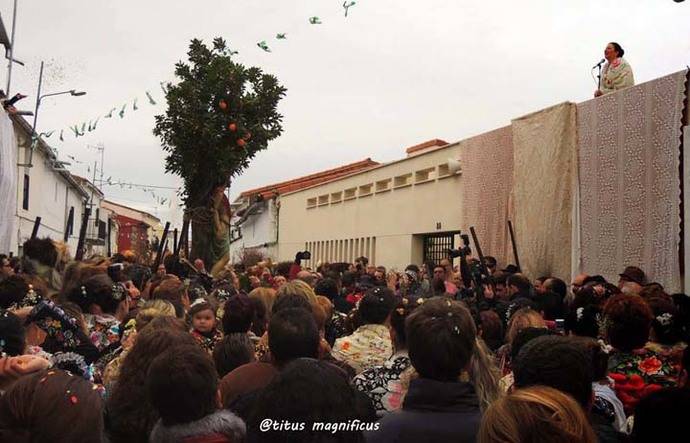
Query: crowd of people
{"points": [[115, 350]]}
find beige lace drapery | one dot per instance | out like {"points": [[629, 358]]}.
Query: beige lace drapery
{"points": [[629, 143], [545, 155], [487, 176]]}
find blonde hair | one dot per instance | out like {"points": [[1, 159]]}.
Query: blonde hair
{"points": [[299, 288], [153, 309], [521, 319], [265, 295], [537, 413], [484, 375]]}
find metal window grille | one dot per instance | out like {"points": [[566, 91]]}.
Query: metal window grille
{"points": [[436, 247]]}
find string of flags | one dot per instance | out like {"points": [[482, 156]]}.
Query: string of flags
{"points": [[80, 130], [314, 20]]}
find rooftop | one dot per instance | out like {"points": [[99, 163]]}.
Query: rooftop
{"points": [[306, 181]]}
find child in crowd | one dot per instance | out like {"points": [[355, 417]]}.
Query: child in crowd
{"points": [[204, 324]]}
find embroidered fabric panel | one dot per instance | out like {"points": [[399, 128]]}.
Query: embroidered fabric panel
{"points": [[629, 147], [487, 175], [545, 155]]}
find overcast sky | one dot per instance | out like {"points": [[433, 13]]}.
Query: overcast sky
{"points": [[390, 75]]}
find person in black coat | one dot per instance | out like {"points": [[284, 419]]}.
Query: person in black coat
{"points": [[438, 407]]}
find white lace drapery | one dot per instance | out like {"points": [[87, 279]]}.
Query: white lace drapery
{"points": [[629, 148]]}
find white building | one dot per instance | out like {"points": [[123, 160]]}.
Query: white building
{"points": [[255, 212], [97, 230], [45, 189], [397, 213]]}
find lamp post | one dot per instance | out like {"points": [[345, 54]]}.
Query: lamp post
{"points": [[39, 97]]}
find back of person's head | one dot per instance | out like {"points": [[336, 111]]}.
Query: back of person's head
{"points": [[98, 290], [397, 320], [667, 324], [349, 279], [11, 334], [13, 290], [129, 411], [376, 305], [51, 406], [525, 336], [327, 287], [584, 321], [521, 319], [535, 414], [288, 301], [491, 329], [296, 287], [292, 333], [312, 392], [167, 322], [181, 385], [562, 363], [171, 289], [628, 319], [233, 351], [441, 338], [662, 416], [521, 282], [152, 309], [262, 300], [557, 286], [238, 314], [42, 250]]}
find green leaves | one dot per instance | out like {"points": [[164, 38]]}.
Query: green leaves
{"points": [[213, 91]]}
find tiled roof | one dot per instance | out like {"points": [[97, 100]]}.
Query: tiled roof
{"points": [[271, 191], [425, 145]]}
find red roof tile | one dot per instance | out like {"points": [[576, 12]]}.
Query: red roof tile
{"points": [[425, 145], [306, 181]]}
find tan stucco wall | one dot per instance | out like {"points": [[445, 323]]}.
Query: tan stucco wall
{"points": [[388, 219]]}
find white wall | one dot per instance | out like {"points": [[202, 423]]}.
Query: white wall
{"points": [[260, 228], [381, 225], [50, 197]]}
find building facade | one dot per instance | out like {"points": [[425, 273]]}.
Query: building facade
{"points": [[395, 214], [44, 189], [135, 229], [255, 222]]}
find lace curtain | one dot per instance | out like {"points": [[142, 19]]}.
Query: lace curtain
{"points": [[629, 145], [487, 175], [545, 155]]}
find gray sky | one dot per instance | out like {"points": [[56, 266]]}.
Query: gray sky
{"points": [[390, 75]]}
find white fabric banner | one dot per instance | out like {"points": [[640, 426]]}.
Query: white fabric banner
{"points": [[8, 181]]}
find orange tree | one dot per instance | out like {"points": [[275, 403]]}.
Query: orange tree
{"points": [[219, 115]]}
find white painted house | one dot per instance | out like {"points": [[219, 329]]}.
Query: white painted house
{"points": [[255, 221], [43, 189]]}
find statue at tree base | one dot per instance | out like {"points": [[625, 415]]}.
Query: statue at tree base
{"points": [[213, 228]]}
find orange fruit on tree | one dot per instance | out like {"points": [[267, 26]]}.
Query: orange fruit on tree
{"points": [[232, 127], [248, 135], [241, 142], [223, 105]]}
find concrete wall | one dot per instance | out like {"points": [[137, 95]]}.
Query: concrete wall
{"points": [[375, 213]]}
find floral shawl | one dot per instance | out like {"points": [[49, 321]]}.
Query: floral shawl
{"points": [[382, 383], [369, 346], [641, 372], [616, 75]]}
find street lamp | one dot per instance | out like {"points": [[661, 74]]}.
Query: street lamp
{"points": [[39, 97]]}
